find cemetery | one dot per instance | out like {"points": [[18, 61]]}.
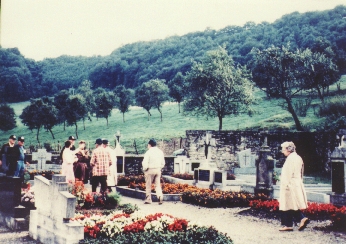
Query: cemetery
{"points": [[230, 169]]}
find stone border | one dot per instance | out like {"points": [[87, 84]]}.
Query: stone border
{"points": [[125, 191]]}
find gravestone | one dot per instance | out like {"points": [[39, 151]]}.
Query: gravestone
{"points": [[195, 176], [338, 163], [220, 179], [246, 159], [181, 165], [49, 223], [205, 178], [41, 156], [264, 171]]}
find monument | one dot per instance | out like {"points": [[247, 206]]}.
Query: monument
{"points": [[207, 167], [120, 152], [338, 163], [182, 165], [264, 170]]}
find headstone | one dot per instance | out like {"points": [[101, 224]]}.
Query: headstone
{"points": [[195, 176], [49, 223], [246, 159], [205, 178], [41, 156], [220, 179], [338, 163], [204, 175], [181, 165]]}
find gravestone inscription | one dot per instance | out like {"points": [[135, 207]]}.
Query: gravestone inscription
{"points": [[204, 175]]}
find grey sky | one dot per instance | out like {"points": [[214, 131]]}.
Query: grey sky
{"points": [[51, 28]]}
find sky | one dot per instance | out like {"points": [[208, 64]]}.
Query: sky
{"points": [[51, 28]]}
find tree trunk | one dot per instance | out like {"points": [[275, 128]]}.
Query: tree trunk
{"points": [[84, 123], [294, 114], [51, 132], [220, 123], [64, 126], [76, 130], [160, 113], [38, 131], [123, 117], [179, 107], [107, 121], [320, 94]]}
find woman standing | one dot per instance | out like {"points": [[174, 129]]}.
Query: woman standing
{"points": [[68, 158], [292, 192], [80, 168]]}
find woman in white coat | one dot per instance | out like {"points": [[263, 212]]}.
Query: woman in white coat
{"points": [[292, 192], [68, 158]]}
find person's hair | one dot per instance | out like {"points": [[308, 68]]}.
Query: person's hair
{"points": [[289, 146], [152, 142], [67, 144]]}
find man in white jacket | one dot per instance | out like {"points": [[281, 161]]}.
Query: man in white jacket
{"points": [[153, 162]]}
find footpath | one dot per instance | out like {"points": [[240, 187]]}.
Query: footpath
{"points": [[241, 229]]}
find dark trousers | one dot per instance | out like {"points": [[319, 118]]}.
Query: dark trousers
{"points": [[287, 217], [99, 179]]}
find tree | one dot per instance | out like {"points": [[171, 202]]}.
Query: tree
{"points": [[276, 72], [61, 103], [152, 94], [217, 88], [177, 88], [76, 110], [38, 114], [319, 71], [85, 90], [143, 97], [8, 117], [123, 99], [104, 101]]}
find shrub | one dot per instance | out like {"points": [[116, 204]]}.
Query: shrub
{"points": [[124, 180]]}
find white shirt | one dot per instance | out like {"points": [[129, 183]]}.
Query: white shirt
{"points": [[153, 159]]}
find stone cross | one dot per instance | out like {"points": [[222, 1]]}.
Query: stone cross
{"points": [[42, 157], [245, 156]]}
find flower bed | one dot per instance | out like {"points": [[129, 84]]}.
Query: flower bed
{"points": [[124, 180], [315, 211], [184, 176], [28, 197], [87, 199], [167, 188], [218, 198], [119, 227]]}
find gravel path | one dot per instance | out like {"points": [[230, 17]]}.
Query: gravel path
{"points": [[241, 229]]}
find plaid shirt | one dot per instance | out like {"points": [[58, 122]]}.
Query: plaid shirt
{"points": [[100, 161]]}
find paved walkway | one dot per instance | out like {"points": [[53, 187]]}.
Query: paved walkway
{"points": [[242, 229]]}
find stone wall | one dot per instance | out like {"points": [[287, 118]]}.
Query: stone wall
{"points": [[313, 147]]}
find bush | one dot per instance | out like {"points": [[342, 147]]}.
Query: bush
{"points": [[126, 180]]}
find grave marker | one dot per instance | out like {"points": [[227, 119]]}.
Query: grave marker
{"points": [[41, 156]]}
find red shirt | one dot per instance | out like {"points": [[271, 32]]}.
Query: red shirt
{"points": [[100, 161]]}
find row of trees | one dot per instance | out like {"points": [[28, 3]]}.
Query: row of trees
{"points": [[214, 87]]}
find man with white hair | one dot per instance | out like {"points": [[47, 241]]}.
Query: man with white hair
{"points": [[292, 192]]}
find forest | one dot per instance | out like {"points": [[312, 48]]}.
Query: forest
{"points": [[134, 64]]}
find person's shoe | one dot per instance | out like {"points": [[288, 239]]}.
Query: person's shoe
{"points": [[285, 228], [160, 200], [303, 223], [147, 202]]}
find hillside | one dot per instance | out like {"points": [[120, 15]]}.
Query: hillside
{"points": [[133, 64], [269, 113]]}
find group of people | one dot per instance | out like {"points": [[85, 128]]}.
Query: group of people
{"points": [[99, 167], [13, 158]]}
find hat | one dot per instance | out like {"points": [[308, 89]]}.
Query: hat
{"points": [[71, 138], [13, 137], [105, 141], [21, 138], [81, 141], [152, 142], [98, 141]]}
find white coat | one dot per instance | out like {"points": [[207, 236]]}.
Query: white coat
{"points": [[112, 178], [292, 192]]}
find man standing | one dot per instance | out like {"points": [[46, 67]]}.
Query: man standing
{"points": [[9, 155], [153, 162], [21, 157], [100, 162]]}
